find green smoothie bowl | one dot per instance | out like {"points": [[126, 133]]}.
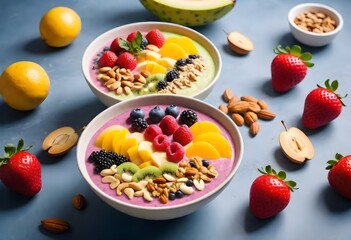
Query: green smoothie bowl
{"points": [[148, 58]]}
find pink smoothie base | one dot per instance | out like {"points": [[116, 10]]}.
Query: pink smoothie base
{"points": [[223, 166]]}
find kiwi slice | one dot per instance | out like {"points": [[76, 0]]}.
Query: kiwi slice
{"points": [[169, 167], [149, 172], [127, 167]]}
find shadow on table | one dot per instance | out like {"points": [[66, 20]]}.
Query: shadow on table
{"points": [[334, 202], [9, 115]]}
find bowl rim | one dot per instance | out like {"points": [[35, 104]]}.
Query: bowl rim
{"points": [[85, 66], [300, 8], [180, 100]]}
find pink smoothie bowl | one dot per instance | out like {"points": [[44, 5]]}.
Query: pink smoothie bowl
{"points": [[106, 38], [226, 167]]}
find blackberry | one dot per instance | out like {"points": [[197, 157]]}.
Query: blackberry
{"points": [[161, 85], [180, 62], [188, 117], [193, 56], [171, 75], [93, 156], [139, 124], [189, 61], [118, 159], [101, 160]]}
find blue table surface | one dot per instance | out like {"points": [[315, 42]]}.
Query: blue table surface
{"points": [[314, 212]]}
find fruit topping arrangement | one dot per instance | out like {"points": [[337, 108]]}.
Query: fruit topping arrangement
{"points": [[166, 153], [149, 63]]}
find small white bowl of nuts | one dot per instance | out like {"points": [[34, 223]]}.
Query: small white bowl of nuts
{"points": [[314, 24]]}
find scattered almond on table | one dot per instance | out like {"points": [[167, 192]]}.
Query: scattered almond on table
{"points": [[246, 110]]}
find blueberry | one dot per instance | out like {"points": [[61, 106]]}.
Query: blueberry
{"points": [[189, 183], [137, 113], [156, 114], [179, 194], [205, 163], [172, 110], [171, 196], [192, 164]]}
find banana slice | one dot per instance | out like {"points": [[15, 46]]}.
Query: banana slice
{"points": [[239, 43]]}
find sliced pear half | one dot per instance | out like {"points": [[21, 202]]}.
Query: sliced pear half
{"points": [[296, 145]]}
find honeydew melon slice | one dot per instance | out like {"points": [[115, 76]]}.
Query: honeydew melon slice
{"points": [[189, 12]]}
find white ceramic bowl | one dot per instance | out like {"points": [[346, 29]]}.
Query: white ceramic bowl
{"points": [[106, 38], [310, 38], [164, 211]]}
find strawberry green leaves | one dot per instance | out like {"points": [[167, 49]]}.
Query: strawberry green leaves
{"points": [[331, 163], [296, 51], [10, 150], [280, 175], [133, 47]]}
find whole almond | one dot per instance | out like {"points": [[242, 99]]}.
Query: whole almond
{"points": [[223, 108], [250, 117], [55, 225], [266, 114], [262, 104], [254, 107], [239, 107], [238, 119], [249, 99], [78, 201], [232, 100], [227, 95], [254, 128]]}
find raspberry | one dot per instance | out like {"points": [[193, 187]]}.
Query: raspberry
{"points": [[188, 117], [183, 135], [168, 125], [114, 47], [151, 132], [161, 142], [108, 59], [127, 60], [155, 37], [175, 152]]}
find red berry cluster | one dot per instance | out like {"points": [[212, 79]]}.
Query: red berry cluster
{"points": [[170, 137], [123, 52]]}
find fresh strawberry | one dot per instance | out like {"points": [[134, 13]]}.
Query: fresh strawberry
{"points": [[175, 152], [289, 67], [339, 175], [114, 47], [155, 37], [183, 135], [127, 60], [131, 36], [322, 105], [269, 193], [108, 59], [20, 170]]}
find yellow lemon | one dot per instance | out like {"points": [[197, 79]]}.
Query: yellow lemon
{"points": [[60, 26], [24, 85]]}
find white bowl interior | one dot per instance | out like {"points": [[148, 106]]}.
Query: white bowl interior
{"points": [[108, 36], [311, 38], [158, 213]]}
